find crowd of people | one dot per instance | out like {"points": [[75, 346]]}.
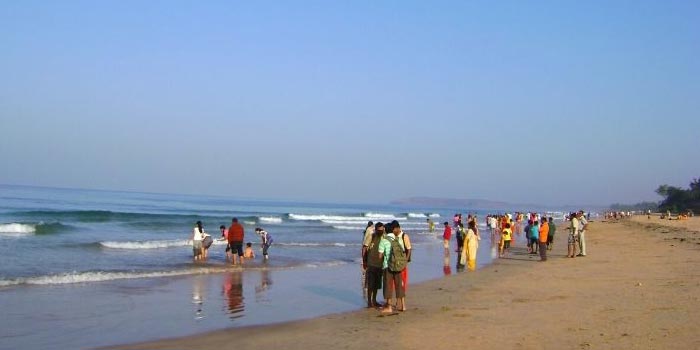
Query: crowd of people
{"points": [[386, 253], [234, 237]]}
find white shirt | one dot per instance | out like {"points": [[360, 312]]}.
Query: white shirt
{"points": [[196, 235]]}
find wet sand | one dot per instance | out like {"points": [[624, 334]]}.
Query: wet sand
{"points": [[638, 288]]}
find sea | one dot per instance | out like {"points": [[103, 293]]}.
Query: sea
{"points": [[88, 268]]}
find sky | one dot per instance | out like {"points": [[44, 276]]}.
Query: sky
{"points": [[550, 102]]}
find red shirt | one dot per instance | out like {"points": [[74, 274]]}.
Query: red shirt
{"points": [[448, 233], [235, 233]]}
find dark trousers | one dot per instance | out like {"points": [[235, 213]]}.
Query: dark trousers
{"points": [[543, 251]]}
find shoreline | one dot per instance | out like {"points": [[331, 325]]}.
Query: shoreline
{"points": [[635, 289]]}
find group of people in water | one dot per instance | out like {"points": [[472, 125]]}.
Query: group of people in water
{"points": [[234, 237]]}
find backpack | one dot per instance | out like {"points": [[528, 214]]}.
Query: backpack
{"points": [[373, 258], [398, 259]]}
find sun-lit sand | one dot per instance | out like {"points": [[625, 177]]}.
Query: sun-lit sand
{"points": [[638, 288]]}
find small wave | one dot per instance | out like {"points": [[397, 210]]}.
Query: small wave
{"points": [[341, 227], [434, 215], [417, 215], [100, 276], [24, 229], [366, 217], [17, 229], [270, 219], [152, 244]]}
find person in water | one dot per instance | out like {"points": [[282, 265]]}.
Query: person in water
{"points": [[197, 237]]}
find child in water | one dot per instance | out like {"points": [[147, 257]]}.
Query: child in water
{"points": [[248, 253]]}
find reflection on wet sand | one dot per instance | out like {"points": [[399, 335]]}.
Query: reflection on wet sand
{"points": [[198, 293], [446, 268], [233, 294], [265, 285]]}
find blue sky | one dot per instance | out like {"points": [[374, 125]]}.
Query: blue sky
{"points": [[552, 102]]}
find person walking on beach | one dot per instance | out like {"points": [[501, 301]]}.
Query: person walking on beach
{"points": [[506, 237], [197, 236], [446, 235], [431, 225], [583, 225], [236, 235], [552, 231], [544, 235], [573, 235], [375, 264], [528, 236]]}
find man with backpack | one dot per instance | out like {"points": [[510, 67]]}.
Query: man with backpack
{"points": [[395, 259]]}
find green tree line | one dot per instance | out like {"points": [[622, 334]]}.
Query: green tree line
{"points": [[678, 199]]}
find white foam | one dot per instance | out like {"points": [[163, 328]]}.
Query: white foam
{"points": [[270, 219], [345, 219], [99, 276], [251, 223], [341, 227], [152, 244], [15, 229], [434, 215], [416, 215]]}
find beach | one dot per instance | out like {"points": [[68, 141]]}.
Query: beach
{"points": [[638, 288]]}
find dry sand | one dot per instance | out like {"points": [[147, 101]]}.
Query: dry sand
{"points": [[638, 288]]}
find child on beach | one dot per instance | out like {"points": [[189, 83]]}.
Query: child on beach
{"points": [[224, 237], [446, 237], [248, 253], [506, 236]]}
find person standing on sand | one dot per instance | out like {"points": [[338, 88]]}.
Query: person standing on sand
{"points": [[583, 225], [471, 245], [544, 236], [431, 225], [366, 239], [550, 236], [460, 237], [573, 235], [236, 235], [375, 264], [405, 242], [446, 237], [528, 237], [393, 281], [506, 237], [534, 236]]}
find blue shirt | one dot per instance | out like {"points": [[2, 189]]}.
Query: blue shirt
{"points": [[535, 231]]}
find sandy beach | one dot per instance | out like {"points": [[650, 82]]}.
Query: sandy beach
{"points": [[638, 288]]}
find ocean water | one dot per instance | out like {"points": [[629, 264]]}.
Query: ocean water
{"points": [[121, 262]]}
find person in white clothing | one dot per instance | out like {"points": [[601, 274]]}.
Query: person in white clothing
{"points": [[197, 237], [583, 225]]}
